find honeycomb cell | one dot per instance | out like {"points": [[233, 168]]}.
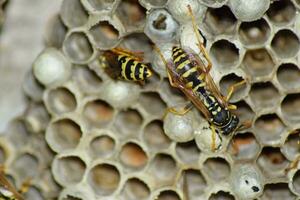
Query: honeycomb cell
{"points": [[63, 134], [272, 162], [221, 195], [157, 3], [32, 88], [187, 152], [18, 133], [34, 193], [269, 128], [68, 170], [264, 95], [163, 168], [132, 14], [220, 20], [78, 47], [128, 122], [244, 111], [288, 75], [216, 168], [290, 108], [87, 80], [105, 35], [60, 100], [225, 53], [133, 157], [73, 13], [277, 191], [98, 113], [281, 12], [36, 117], [101, 4], [194, 184], [104, 179], [168, 195], [55, 32], [138, 42], [244, 146], [102, 146], [290, 147], [152, 103], [285, 43], [31, 163], [155, 137], [229, 80], [296, 182], [254, 33], [135, 189]]}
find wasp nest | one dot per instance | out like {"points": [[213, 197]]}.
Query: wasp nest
{"points": [[110, 138]]}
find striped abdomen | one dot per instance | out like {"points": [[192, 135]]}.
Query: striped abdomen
{"points": [[132, 69]]}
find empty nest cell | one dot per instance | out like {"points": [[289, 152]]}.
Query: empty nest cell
{"points": [[281, 12], [188, 152], [193, 183], [34, 193], [18, 133], [73, 13], [104, 179], [216, 168], [102, 146], [68, 170], [225, 53], [221, 195], [135, 189], [152, 103], [100, 5], [138, 42], [290, 147], [288, 75], [31, 163], [244, 111], [269, 129], [98, 113], [78, 47], [60, 100], [255, 33], [63, 134], [277, 191], [296, 182], [290, 108], [168, 195]]}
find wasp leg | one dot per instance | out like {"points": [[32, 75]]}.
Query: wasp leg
{"points": [[214, 133], [245, 125], [233, 88], [231, 107], [25, 186], [199, 43], [137, 55], [180, 112]]}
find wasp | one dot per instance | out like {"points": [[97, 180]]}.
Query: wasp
{"points": [[187, 72], [126, 65]]}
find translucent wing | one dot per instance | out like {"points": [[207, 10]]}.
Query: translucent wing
{"points": [[4, 183], [136, 55]]}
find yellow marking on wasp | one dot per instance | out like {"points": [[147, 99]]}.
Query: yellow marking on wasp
{"points": [[206, 104], [214, 112], [219, 109], [198, 86], [177, 52], [201, 76], [181, 65], [179, 57], [189, 84], [188, 72]]}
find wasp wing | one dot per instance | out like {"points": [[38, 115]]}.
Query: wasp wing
{"points": [[6, 184]]}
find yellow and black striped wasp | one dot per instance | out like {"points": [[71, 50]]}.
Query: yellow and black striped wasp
{"points": [[126, 65], [187, 72]]}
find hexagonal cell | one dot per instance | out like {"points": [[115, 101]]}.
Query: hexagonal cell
{"points": [[104, 179], [128, 122], [105, 34], [229, 80], [244, 111], [133, 157], [277, 191], [258, 63], [288, 75], [291, 145], [194, 184], [18, 133], [73, 13], [63, 134], [101, 4], [221, 195], [255, 32], [296, 182], [33, 193], [157, 3], [102, 146], [264, 95], [152, 103], [225, 53], [269, 128], [168, 195], [138, 42], [244, 146], [31, 163], [220, 20], [135, 189], [55, 32], [87, 80], [216, 168], [132, 14], [290, 108], [98, 113], [173, 94], [272, 162], [78, 47], [163, 168], [64, 167], [285, 43], [281, 12], [60, 100], [188, 152], [155, 136]]}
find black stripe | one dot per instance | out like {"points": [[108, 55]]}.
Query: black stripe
{"points": [[137, 71], [128, 69]]}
